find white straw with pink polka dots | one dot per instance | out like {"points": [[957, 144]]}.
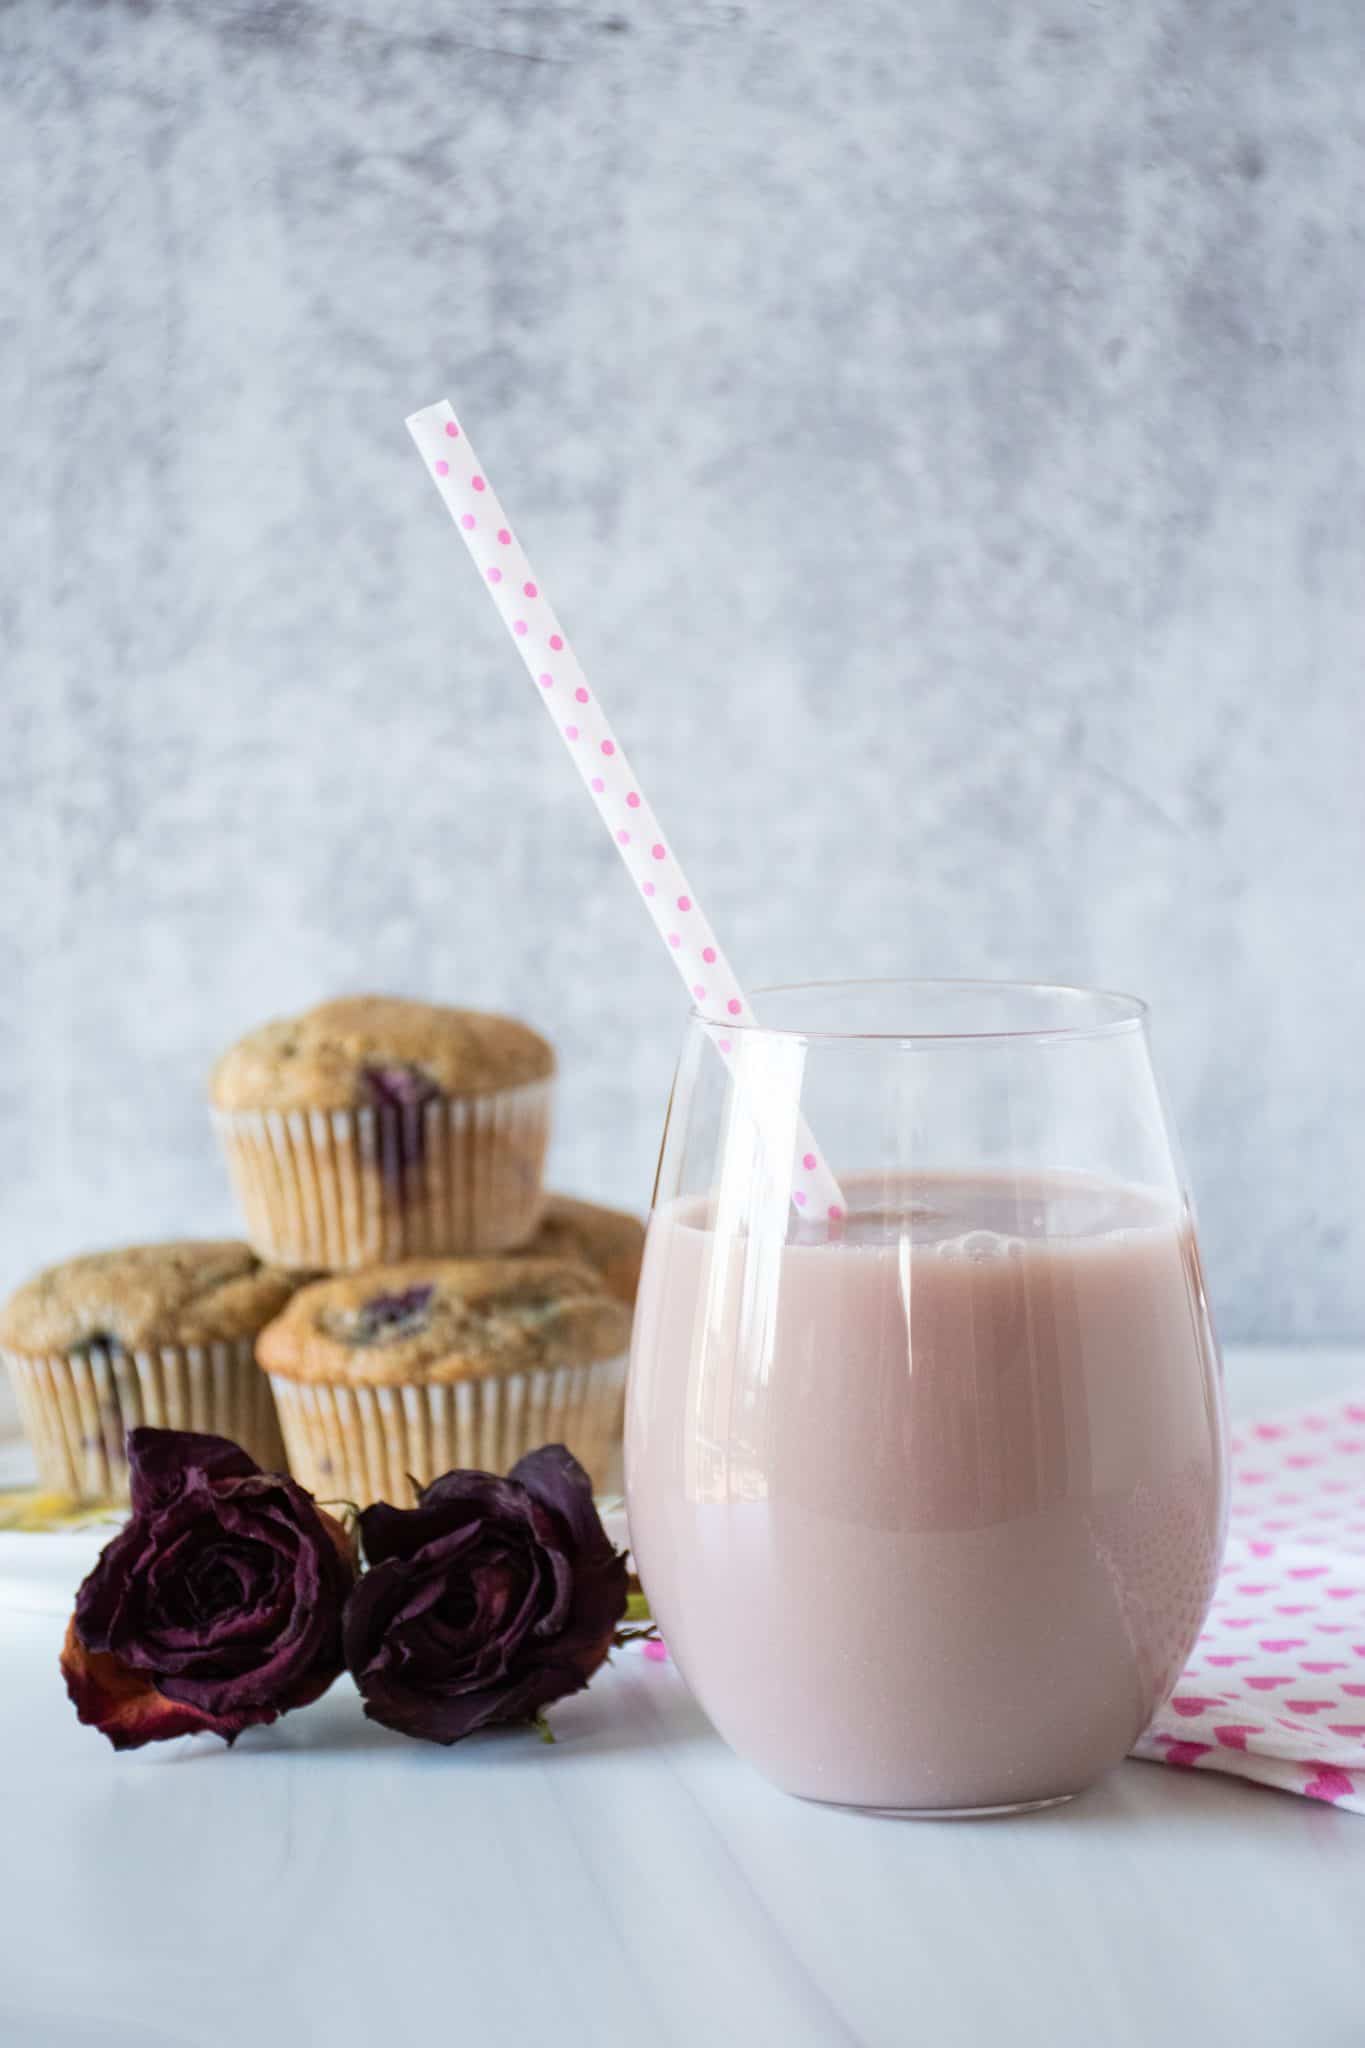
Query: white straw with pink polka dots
{"points": [[598, 756]]}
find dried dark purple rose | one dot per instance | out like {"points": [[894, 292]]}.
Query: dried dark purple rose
{"points": [[218, 1606], [485, 1602]]}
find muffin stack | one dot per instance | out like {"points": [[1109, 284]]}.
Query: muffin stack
{"points": [[398, 1148]]}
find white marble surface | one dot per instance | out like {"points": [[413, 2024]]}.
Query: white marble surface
{"points": [[329, 1885], [941, 426]]}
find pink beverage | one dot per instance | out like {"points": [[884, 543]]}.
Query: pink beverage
{"points": [[929, 1513]]}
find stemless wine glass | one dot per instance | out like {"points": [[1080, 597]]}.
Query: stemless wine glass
{"points": [[928, 1501]]}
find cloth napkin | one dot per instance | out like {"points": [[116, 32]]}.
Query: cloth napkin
{"points": [[1275, 1689]]}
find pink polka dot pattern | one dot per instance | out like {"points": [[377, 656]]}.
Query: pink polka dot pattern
{"points": [[1274, 1687], [592, 746]]}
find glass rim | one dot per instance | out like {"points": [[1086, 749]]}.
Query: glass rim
{"points": [[1127, 1013]]}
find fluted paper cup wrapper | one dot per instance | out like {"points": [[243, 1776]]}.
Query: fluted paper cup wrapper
{"points": [[77, 1411], [343, 1188], [363, 1444]]}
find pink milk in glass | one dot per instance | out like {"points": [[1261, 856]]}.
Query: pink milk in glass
{"points": [[929, 1505]]}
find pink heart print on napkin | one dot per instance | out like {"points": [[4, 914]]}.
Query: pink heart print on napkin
{"points": [[1275, 1687]]}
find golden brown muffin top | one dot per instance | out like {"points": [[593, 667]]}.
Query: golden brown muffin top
{"points": [[190, 1292], [439, 1320], [359, 1050], [609, 1240]]}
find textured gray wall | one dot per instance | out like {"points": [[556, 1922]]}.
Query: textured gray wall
{"points": [[939, 423]]}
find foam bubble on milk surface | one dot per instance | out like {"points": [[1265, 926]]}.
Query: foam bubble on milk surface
{"points": [[980, 1247]]}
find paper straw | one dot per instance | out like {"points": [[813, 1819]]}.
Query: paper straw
{"points": [[599, 757]]}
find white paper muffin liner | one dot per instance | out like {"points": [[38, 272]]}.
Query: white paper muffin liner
{"points": [[77, 1410], [362, 1443], [343, 1188]]}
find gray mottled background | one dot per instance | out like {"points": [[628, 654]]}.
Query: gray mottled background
{"points": [[940, 425]]}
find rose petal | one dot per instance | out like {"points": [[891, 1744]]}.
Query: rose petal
{"points": [[554, 1477], [499, 1498], [557, 1479], [127, 1708], [449, 1502], [159, 1461], [103, 1594]]}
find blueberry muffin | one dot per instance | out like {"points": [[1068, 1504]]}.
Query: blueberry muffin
{"points": [[610, 1241], [159, 1333], [415, 1369], [371, 1128]]}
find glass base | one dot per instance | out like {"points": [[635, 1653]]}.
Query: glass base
{"points": [[944, 1812]]}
